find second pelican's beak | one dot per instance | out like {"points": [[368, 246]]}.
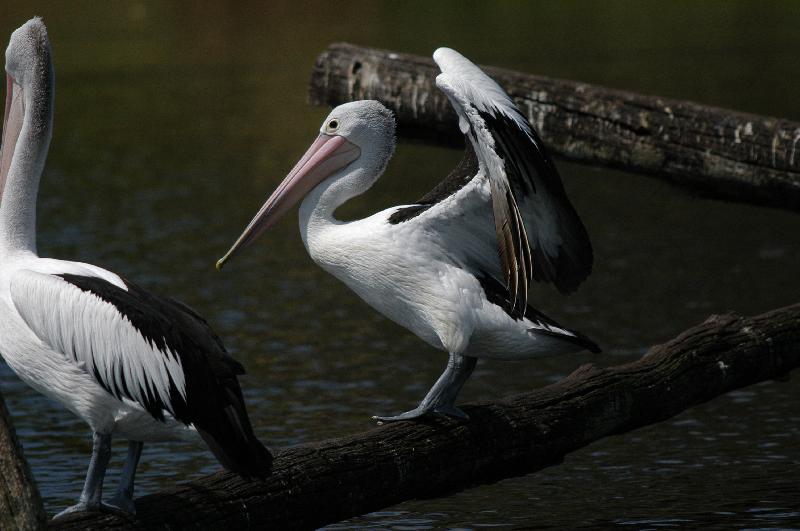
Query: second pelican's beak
{"points": [[328, 154], [12, 125]]}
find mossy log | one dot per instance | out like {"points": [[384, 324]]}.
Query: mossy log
{"points": [[715, 152], [317, 484]]}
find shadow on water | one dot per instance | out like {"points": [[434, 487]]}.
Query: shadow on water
{"points": [[175, 119]]}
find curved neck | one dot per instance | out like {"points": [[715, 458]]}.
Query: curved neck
{"points": [[318, 208], [18, 201]]}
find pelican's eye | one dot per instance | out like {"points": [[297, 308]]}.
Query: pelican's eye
{"points": [[332, 126]]}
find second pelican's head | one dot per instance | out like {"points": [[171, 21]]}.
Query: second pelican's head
{"points": [[29, 88], [355, 143]]}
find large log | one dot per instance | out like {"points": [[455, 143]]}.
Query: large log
{"points": [[20, 505], [716, 152], [316, 484]]}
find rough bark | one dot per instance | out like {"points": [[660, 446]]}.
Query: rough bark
{"points": [[316, 484], [20, 505], [716, 152]]}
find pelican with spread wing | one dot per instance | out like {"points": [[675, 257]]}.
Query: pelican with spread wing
{"points": [[454, 267]]}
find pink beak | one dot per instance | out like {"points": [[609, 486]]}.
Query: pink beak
{"points": [[12, 125], [328, 154]]}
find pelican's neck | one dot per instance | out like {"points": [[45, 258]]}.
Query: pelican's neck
{"points": [[318, 208], [18, 201]]}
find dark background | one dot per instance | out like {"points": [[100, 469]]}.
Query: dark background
{"points": [[174, 120]]}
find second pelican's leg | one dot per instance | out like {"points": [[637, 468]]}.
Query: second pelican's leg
{"points": [[442, 396], [92, 495], [123, 499]]}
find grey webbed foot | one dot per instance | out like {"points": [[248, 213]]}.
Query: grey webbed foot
{"points": [[123, 498], [441, 398], [92, 494], [121, 504], [452, 411], [415, 413], [79, 507], [420, 411], [83, 506]]}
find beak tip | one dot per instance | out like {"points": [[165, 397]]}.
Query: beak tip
{"points": [[220, 263]]}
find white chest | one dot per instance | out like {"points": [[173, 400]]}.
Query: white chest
{"points": [[401, 273]]}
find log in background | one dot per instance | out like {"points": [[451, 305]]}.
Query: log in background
{"points": [[715, 152], [317, 484]]}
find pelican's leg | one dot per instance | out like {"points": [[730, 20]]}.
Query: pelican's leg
{"points": [[92, 494], [442, 396], [123, 499]]}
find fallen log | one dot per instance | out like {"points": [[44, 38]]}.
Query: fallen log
{"points": [[20, 505], [715, 152], [316, 484]]}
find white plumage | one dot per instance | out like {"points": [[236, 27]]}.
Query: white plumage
{"points": [[467, 86], [407, 273], [130, 363], [455, 267], [55, 336], [94, 334]]}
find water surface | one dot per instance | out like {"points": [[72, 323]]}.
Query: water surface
{"points": [[174, 121]]}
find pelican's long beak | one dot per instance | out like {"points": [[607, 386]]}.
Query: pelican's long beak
{"points": [[12, 125], [328, 154]]}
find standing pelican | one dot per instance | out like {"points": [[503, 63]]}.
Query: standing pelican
{"points": [[128, 362], [434, 266]]}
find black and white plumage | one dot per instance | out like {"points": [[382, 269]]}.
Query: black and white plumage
{"points": [[523, 183], [455, 267], [130, 363]]}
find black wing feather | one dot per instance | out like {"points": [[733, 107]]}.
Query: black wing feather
{"points": [[498, 295], [526, 162], [214, 403]]}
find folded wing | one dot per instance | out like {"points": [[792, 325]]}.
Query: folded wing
{"points": [[150, 350]]}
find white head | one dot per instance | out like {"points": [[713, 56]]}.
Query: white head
{"points": [[29, 87], [355, 143], [367, 124]]}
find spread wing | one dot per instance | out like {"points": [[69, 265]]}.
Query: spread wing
{"points": [[507, 183]]}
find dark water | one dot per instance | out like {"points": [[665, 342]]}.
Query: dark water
{"points": [[174, 120]]}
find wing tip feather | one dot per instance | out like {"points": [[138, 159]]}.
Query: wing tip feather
{"points": [[467, 85]]}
